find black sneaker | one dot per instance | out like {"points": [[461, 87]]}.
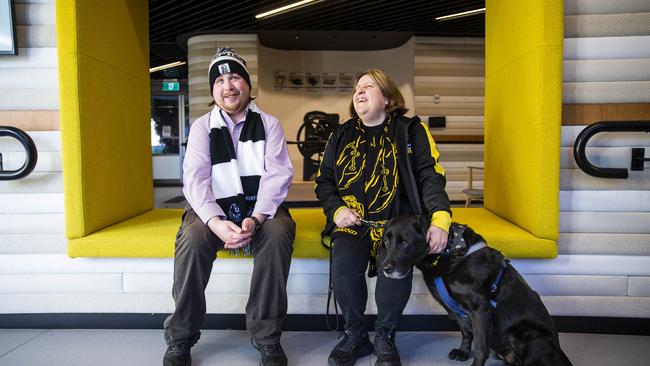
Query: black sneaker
{"points": [[350, 349], [179, 354], [386, 351], [272, 354]]}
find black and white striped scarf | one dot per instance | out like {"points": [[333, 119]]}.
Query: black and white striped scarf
{"points": [[235, 181]]}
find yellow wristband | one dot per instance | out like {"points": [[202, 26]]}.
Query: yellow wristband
{"points": [[441, 219]]}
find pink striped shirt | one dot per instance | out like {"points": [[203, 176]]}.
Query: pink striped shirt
{"points": [[197, 167]]}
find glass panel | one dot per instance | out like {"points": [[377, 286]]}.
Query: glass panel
{"points": [[164, 124]]}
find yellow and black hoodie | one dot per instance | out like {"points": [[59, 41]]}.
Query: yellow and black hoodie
{"points": [[382, 172]]}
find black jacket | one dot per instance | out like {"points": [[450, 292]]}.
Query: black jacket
{"points": [[424, 186]]}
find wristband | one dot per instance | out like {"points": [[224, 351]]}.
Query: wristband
{"points": [[257, 223]]}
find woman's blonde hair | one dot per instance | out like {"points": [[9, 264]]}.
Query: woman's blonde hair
{"points": [[388, 88]]}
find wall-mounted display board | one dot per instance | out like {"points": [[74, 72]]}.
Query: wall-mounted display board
{"points": [[7, 28]]}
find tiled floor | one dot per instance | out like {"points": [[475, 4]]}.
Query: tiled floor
{"points": [[20, 347]]}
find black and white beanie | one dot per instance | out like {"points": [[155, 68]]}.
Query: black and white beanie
{"points": [[226, 61]]}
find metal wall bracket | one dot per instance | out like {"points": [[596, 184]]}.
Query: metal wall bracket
{"points": [[30, 150], [606, 126], [638, 158]]}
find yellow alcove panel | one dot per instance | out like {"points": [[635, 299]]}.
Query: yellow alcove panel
{"points": [[105, 112], [523, 101]]}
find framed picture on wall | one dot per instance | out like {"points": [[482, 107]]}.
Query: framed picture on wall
{"points": [[7, 28]]}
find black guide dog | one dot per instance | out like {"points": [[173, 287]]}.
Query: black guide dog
{"points": [[492, 304]]}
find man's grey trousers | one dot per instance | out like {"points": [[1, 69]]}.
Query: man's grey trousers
{"points": [[195, 251]]}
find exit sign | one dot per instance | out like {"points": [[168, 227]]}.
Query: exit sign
{"points": [[171, 85]]}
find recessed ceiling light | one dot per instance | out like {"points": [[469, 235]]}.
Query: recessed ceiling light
{"points": [[286, 8], [460, 15], [166, 66]]}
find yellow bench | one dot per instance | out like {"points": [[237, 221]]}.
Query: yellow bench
{"points": [[152, 235], [105, 112]]}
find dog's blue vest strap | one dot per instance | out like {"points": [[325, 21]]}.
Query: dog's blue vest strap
{"points": [[454, 306], [495, 285], [476, 247], [447, 299]]}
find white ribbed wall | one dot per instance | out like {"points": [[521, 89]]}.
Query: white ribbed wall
{"points": [[31, 209], [450, 81], [603, 268], [606, 60], [30, 80]]}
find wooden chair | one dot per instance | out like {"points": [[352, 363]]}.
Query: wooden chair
{"points": [[471, 192]]}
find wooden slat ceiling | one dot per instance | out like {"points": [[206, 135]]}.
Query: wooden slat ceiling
{"points": [[172, 21]]}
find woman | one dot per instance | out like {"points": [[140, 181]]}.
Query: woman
{"points": [[376, 166]]}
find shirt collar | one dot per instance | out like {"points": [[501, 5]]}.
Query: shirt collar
{"points": [[230, 122]]}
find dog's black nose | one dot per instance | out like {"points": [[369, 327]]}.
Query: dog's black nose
{"points": [[388, 267]]}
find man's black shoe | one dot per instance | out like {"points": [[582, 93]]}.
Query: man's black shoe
{"points": [[272, 354], [386, 351], [179, 354], [351, 348]]}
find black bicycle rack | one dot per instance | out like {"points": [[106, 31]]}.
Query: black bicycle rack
{"points": [[311, 139], [638, 154], [30, 150]]}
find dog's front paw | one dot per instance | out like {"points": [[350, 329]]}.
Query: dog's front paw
{"points": [[458, 355]]}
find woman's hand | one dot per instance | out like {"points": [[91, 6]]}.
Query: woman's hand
{"points": [[437, 239], [347, 217]]}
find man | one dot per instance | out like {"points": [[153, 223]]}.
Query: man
{"points": [[236, 177]]}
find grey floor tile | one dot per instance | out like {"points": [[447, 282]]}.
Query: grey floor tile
{"points": [[313, 348], [11, 339], [606, 350], [430, 349], [234, 348], [90, 348], [146, 347]]}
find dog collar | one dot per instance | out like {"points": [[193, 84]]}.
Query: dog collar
{"points": [[456, 241]]}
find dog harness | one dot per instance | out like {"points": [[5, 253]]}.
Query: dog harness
{"points": [[458, 243], [454, 305]]}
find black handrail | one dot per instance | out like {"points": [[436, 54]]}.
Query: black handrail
{"points": [[604, 126], [30, 151]]}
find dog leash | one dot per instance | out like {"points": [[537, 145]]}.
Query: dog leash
{"points": [[330, 296], [330, 290], [372, 224]]}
